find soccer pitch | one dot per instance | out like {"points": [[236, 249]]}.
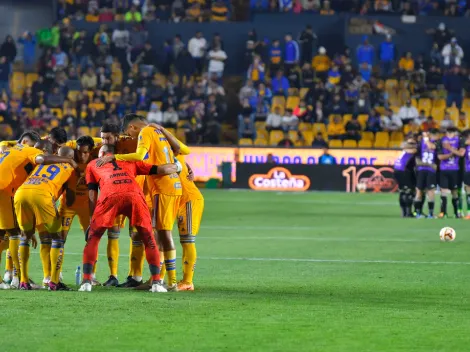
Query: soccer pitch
{"points": [[276, 272]]}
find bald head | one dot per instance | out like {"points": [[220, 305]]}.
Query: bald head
{"points": [[106, 149], [66, 152], [45, 146]]}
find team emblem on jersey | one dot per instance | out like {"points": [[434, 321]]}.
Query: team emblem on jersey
{"points": [[180, 219]]}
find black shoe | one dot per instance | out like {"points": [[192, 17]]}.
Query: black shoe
{"points": [[130, 283], [63, 287], [112, 281]]}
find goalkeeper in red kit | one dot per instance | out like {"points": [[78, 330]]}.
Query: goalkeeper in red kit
{"points": [[121, 195]]}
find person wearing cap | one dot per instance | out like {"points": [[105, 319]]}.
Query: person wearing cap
{"points": [[452, 53], [365, 52], [387, 56], [321, 63], [441, 35]]}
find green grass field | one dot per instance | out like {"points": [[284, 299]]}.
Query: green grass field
{"points": [[276, 272]]}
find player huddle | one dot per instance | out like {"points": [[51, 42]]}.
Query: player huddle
{"points": [[141, 175], [428, 161]]}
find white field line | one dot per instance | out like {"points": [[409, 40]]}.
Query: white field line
{"points": [[295, 228]]}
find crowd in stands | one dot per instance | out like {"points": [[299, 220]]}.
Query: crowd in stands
{"points": [[83, 79], [364, 7], [296, 94]]}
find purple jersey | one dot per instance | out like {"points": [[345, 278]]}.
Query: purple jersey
{"points": [[467, 158], [427, 158], [451, 164], [403, 161]]}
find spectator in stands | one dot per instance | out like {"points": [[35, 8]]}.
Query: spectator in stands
{"points": [[452, 53], [217, 59], [197, 46], [280, 84], [275, 56], [247, 91], [61, 59], [301, 111], [453, 83], [121, 38], [388, 54], [285, 141], [319, 141], [311, 6], [337, 106], [28, 40], [362, 104], [8, 49], [69, 118], [366, 71], [246, 126], [256, 70], [155, 115], [133, 15], [421, 118], [5, 69], [326, 9], [373, 123], [334, 77], [321, 63], [462, 122], [286, 5], [81, 50], [147, 58], [390, 122], [407, 63], [264, 93], [106, 15], [259, 5], [170, 118], [307, 41], [433, 77], [326, 158], [365, 52], [219, 11], [335, 128], [353, 129], [274, 120], [408, 113], [407, 9], [291, 53], [429, 124], [307, 75], [137, 40], [447, 122], [55, 99], [28, 100], [185, 65], [317, 113]]}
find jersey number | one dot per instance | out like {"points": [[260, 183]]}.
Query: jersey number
{"points": [[428, 158], [167, 155], [116, 166], [3, 156], [52, 170]]}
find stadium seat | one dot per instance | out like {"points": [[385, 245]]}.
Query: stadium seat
{"points": [[97, 106], [106, 96], [414, 103], [454, 113], [395, 109], [293, 136], [365, 144], [362, 118], [466, 104], [245, 141], [336, 143], [181, 123], [262, 133], [54, 123], [260, 125], [275, 137], [305, 126], [114, 94], [260, 141], [308, 137], [181, 135], [282, 108], [142, 113], [31, 78], [303, 92], [292, 102], [395, 144], [438, 113], [298, 143], [382, 137], [72, 95], [279, 100], [84, 131], [347, 118], [381, 143], [391, 84], [319, 127], [350, 144], [439, 103], [29, 112], [171, 130], [397, 136], [17, 83], [90, 94], [57, 112], [367, 136], [293, 92], [332, 117], [95, 131], [425, 104]]}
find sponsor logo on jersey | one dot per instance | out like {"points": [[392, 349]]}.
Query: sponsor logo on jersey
{"points": [[279, 179]]}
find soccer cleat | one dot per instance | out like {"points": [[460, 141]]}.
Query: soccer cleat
{"points": [[442, 216], [420, 216], [172, 288], [7, 277], [430, 217], [467, 217], [95, 282], [25, 286], [112, 281], [158, 287], [52, 286], [45, 281], [35, 286], [183, 286], [86, 287], [4, 286], [15, 282], [130, 283]]}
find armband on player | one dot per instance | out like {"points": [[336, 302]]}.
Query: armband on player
{"points": [[179, 167]]}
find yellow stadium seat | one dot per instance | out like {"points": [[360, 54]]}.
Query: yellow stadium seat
{"points": [[275, 137], [260, 141], [181, 135], [84, 131], [28, 111], [303, 92], [298, 143], [262, 133], [382, 137], [58, 112], [395, 109], [414, 103], [305, 126], [260, 125], [395, 144], [95, 131], [97, 106], [90, 94], [437, 113], [72, 95], [282, 108], [391, 84], [466, 104], [362, 118], [425, 104], [347, 118], [365, 144], [381, 143], [292, 102], [367, 136], [142, 113], [293, 92], [454, 113], [439, 103], [293, 136], [308, 137], [106, 96], [332, 117], [336, 143], [31, 78], [350, 144], [245, 141], [319, 127], [397, 136], [181, 123], [279, 100]]}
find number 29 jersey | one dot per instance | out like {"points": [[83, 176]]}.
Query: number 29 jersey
{"points": [[158, 153]]}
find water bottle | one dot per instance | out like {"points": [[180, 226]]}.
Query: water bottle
{"points": [[78, 276]]}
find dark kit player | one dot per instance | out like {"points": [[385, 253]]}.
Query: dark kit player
{"points": [[466, 169], [449, 151], [405, 177], [121, 195], [426, 169]]}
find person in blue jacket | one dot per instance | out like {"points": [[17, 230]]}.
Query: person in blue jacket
{"points": [[365, 52], [280, 84], [291, 54], [387, 56]]}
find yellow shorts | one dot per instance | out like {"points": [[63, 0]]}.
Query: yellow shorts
{"points": [[190, 216], [7, 213], [165, 210], [36, 210], [68, 214], [120, 222]]}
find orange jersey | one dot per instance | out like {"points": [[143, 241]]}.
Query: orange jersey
{"points": [[81, 188], [50, 179], [190, 191], [159, 152], [15, 165]]}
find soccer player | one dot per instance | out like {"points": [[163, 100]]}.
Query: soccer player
{"points": [[426, 166], [166, 191], [466, 169], [121, 195], [404, 175], [35, 208], [15, 165], [449, 151]]}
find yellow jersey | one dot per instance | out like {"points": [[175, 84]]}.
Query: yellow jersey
{"points": [[16, 164], [190, 191], [50, 179]]}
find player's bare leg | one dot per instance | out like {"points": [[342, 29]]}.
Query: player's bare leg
{"points": [[166, 241], [90, 255]]}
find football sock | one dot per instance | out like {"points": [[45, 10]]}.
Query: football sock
{"points": [[189, 257], [90, 253], [8, 261], [14, 248], [113, 252], [468, 203], [459, 195], [401, 201], [57, 255], [162, 265], [418, 205], [3, 246], [131, 270], [24, 260], [45, 254], [151, 253], [170, 265], [444, 204], [409, 204], [137, 260], [431, 208], [455, 205]]}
